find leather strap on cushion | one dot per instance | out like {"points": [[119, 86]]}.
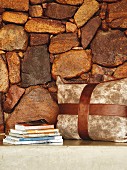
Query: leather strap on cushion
{"points": [[83, 110], [95, 109]]}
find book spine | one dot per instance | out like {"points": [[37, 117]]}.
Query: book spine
{"points": [[21, 127], [34, 139]]}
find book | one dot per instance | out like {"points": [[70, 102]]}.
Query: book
{"points": [[33, 135], [35, 138], [10, 141], [34, 131], [39, 124]]}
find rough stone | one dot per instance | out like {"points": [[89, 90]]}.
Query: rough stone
{"points": [[15, 17], [13, 67], [117, 11], [1, 116], [20, 5], [36, 66], [39, 39], [119, 23], [109, 48], [36, 11], [58, 11], [71, 64], [44, 26], [121, 71], [4, 80], [89, 30], [97, 69], [35, 104], [36, 1], [86, 11], [13, 37], [63, 42], [70, 2], [70, 27], [13, 95]]}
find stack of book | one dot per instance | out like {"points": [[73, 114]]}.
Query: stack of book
{"points": [[35, 132]]}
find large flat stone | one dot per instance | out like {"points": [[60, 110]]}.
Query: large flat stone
{"points": [[71, 64], [13, 37], [63, 42], [57, 11], [35, 104], [109, 48], [44, 26], [18, 5], [36, 66]]}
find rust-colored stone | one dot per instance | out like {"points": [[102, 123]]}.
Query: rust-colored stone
{"points": [[13, 37], [109, 48], [58, 11], [15, 17], [119, 23], [39, 39], [4, 80], [36, 11], [121, 71], [35, 1], [13, 95], [71, 64], [35, 104], [13, 67], [18, 5], [44, 26], [86, 11], [70, 2], [88, 31], [117, 11], [63, 42]]}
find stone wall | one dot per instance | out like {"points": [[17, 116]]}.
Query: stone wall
{"points": [[79, 40]]}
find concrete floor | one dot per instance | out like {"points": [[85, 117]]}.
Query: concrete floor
{"points": [[73, 155]]}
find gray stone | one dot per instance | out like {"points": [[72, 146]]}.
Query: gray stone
{"points": [[36, 66]]}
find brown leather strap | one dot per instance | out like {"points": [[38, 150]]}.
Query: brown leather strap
{"points": [[83, 110], [95, 109]]}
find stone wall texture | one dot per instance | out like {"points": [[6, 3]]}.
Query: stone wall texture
{"points": [[79, 40]]}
